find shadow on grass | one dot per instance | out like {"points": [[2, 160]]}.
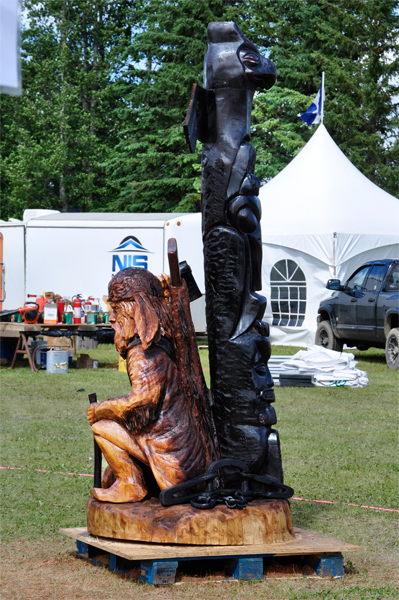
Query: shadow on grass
{"points": [[373, 359]]}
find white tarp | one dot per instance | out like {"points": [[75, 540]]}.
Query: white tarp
{"points": [[327, 367], [321, 219]]}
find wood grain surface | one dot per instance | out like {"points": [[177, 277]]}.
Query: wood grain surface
{"points": [[262, 521]]}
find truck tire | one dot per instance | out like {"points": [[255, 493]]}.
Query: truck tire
{"points": [[392, 349], [325, 337]]}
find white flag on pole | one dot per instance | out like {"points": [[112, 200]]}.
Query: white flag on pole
{"points": [[315, 112]]}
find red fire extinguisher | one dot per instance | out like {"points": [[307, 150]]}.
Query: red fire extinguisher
{"points": [[77, 309]]}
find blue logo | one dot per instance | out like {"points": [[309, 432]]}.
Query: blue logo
{"points": [[130, 244], [133, 246]]}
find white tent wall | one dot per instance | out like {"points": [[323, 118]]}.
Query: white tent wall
{"points": [[344, 270], [315, 274], [323, 214]]}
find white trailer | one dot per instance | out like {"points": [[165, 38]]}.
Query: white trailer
{"points": [[188, 233], [13, 264], [78, 253]]}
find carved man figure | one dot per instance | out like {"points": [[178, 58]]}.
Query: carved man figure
{"points": [[153, 424]]}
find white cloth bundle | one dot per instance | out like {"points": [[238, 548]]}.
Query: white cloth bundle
{"points": [[328, 367]]}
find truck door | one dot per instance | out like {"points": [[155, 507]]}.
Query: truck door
{"points": [[346, 307], [366, 305], [387, 298]]}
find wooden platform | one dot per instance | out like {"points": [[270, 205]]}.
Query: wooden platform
{"points": [[157, 563], [261, 521]]}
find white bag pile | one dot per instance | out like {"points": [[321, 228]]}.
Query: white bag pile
{"points": [[328, 367]]}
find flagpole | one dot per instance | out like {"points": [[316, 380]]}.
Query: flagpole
{"points": [[322, 97]]}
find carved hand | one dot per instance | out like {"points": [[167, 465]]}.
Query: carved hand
{"points": [[164, 279], [91, 414]]}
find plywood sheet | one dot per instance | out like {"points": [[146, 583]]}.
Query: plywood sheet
{"points": [[304, 543]]}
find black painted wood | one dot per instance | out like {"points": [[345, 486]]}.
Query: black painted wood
{"points": [[239, 348]]}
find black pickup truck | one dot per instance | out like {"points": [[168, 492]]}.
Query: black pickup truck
{"points": [[364, 312]]}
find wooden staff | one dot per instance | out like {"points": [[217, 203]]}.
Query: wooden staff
{"points": [[97, 452], [175, 278]]}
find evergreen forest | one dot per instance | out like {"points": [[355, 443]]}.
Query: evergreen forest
{"points": [[106, 84]]}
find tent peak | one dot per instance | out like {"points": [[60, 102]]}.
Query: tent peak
{"points": [[321, 191]]}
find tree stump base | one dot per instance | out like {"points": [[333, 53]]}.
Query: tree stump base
{"points": [[261, 521]]}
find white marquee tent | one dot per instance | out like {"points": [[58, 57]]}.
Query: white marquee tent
{"points": [[321, 218]]}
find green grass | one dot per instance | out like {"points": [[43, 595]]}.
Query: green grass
{"points": [[337, 444]]}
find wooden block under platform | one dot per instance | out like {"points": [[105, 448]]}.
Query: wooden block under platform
{"points": [[156, 564], [261, 521]]}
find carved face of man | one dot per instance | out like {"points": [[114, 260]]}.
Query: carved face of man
{"points": [[123, 323], [138, 308]]}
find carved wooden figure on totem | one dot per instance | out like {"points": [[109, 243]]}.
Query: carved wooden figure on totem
{"points": [[219, 116], [162, 426]]}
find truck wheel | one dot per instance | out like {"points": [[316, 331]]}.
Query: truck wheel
{"points": [[325, 337], [392, 349]]}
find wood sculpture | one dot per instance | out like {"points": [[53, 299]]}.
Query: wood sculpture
{"points": [[163, 429], [161, 437], [239, 348], [163, 426]]}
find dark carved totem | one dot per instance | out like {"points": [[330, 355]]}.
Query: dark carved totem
{"points": [[219, 116]]}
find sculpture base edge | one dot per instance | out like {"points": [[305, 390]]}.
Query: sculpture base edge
{"points": [[262, 521]]}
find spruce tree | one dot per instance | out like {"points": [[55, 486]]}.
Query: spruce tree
{"points": [[356, 45], [151, 168], [106, 87], [57, 135]]}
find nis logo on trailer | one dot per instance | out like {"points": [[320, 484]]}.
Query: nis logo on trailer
{"points": [[129, 253]]}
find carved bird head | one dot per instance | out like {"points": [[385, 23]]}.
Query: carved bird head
{"points": [[232, 61]]}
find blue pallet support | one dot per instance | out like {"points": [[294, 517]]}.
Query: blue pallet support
{"points": [[81, 548], [245, 568], [86, 551], [242, 568], [158, 572], [119, 564], [328, 565]]}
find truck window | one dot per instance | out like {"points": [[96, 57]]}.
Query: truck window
{"points": [[357, 281], [375, 278], [392, 283]]}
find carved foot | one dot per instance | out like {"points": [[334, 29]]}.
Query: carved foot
{"points": [[120, 492]]}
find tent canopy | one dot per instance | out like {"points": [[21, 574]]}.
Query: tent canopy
{"points": [[321, 218], [320, 191], [322, 205]]}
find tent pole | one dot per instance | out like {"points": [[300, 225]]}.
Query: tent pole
{"points": [[334, 254], [322, 97]]}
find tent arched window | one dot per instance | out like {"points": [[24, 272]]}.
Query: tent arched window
{"points": [[288, 293]]}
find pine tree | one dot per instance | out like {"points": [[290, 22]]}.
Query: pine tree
{"points": [[57, 135], [152, 169], [356, 44], [106, 87]]}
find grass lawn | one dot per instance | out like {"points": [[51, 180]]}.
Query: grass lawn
{"points": [[338, 444]]}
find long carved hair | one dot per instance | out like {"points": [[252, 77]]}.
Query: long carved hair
{"points": [[141, 298], [142, 309], [148, 316]]}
